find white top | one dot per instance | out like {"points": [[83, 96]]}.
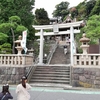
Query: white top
{"points": [[22, 93]]}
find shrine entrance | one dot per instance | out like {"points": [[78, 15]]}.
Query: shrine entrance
{"points": [[57, 29]]}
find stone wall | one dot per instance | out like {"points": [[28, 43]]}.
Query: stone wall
{"points": [[86, 77], [12, 75]]}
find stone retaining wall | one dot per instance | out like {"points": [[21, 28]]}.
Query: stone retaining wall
{"points": [[11, 75], [86, 77]]}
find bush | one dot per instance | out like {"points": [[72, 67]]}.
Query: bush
{"points": [[5, 48]]}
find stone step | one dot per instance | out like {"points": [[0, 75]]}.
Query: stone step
{"points": [[50, 81], [56, 65], [52, 68], [51, 85], [51, 72], [48, 70], [50, 78], [51, 75]]}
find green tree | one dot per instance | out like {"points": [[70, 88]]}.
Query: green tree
{"points": [[81, 7], [61, 10], [74, 12], [41, 17], [16, 29], [89, 6], [96, 9], [21, 8], [12, 29], [3, 38], [5, 48], [93, 26], [92, 29]]}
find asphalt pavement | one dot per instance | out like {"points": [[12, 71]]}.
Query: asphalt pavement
{"points": [[38, 93]]}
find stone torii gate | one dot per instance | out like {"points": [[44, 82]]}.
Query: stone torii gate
{"points": [[56, 31]]}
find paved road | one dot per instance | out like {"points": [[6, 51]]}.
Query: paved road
{"points": [[59, 94]]}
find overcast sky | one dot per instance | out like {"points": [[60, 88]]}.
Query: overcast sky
{"points": [[49, 5]]}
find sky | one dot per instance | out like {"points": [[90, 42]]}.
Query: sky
{"points": [[49, 5]]}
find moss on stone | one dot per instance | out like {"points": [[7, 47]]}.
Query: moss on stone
{"points": [[86, 85]]}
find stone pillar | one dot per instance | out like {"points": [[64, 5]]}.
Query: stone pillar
{"points": [[71, 43], [41, 47]]}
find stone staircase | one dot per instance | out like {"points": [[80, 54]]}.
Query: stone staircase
{"points": [[59, 57], [51, 76], [56, 74]]}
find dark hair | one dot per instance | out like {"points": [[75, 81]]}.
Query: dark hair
{"points": [[5, 89], [24, 78], [23, 81]]}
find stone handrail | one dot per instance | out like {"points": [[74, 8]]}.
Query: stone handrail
{"points": [[86, 60], [14, 60]]}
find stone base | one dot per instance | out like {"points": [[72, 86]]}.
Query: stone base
{"points": [[11, 75], [86, 77]]}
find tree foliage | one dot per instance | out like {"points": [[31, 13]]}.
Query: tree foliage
{"points": [[41, 17], [92, 28], [96, 9], [5, 27], [89, 6], [81, 7], [21, 8], [3, 38], [10, 31], [15, 19], [14, 22], [74, 12], [5, 48], [61, 10]]}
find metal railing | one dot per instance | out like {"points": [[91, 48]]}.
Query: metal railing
{"points": [[32, 69], [49, 57]]}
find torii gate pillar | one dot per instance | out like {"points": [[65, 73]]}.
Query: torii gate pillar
{"points": [[71, 44], [41, 48]]}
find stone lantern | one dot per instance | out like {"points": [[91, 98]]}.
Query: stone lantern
{"points": [[19, 47], [84, 45], [31, 51]]}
